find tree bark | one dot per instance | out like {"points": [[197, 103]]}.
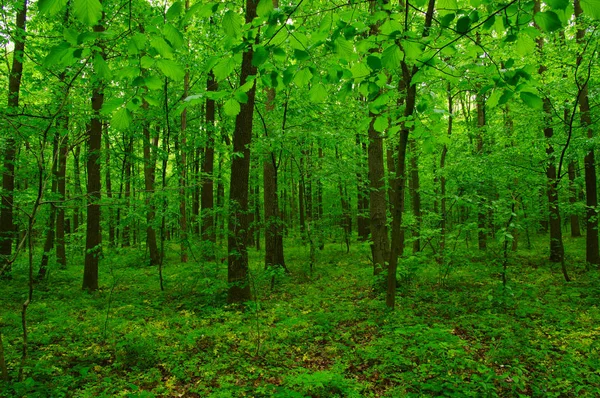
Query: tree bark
{"points": [[7, 226], [109, 195], [50, 231], [592, 248], [207, 198], [415, 195], [237, 271], [362, 219], [574, 219], [182, 143], [63, 148], [93, 240], [380, 244], [149, 179]]}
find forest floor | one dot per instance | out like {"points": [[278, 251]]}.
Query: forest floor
{"points": [[455, 332]]}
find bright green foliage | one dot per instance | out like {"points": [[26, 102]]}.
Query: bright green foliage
{"points": [[87, 11]]}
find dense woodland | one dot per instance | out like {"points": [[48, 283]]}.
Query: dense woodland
{"points": [[303, 198]]}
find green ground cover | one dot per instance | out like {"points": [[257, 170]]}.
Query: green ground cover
{"points": [[456, 330]]}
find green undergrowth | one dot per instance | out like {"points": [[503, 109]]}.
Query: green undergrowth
{"points": [[323, 332]]}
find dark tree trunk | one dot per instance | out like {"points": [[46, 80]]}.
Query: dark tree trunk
{"points": [[182, 143], [274, 256], [237, 275], [50, 232], [575, 227], [61, 225], [362, 219], [109, 195], [128, 165], [93, 240], [301, 204], [415, 196], [592, 249], [207, 204], [380, 244], [149, 179], [219, 219], [399, 183], [77, 187], [7, 226], [443, 201]]}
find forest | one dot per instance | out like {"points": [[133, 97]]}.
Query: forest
{"points": [[299, 198]]}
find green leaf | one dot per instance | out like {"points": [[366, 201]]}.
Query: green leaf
{"points": [[301, 55], [171, 69], [558, 4], [136, 44], [463, 24], [87, 11], [57, 54], [241, 97], [232, 24], [381, 123], [231, 107], [264, 7], [374, 62], [412, 49], [303, 77], [224, 68], [51, 7], [591, 8], [121, 119], [318, 93], [174, 11], [173, 35], [260, 56], [101, 67], [343, 48], [360, 71], [391, 57], [548, 21], [153, 82], [525, 45], [162, 47], [532, 100]]}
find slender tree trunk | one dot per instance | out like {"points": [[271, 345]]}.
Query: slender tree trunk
{"points": [[50, 232], [575, 228], [556, 241], [237, 275], [128, 166], [77, 186], [301, 204], [415, 195], [7, 226], [380, 244], [182, 143], [109, 195], [362, 219], [93, 240], [399, 183], [63, 148], [207, 204], [443, 201], [592, 249], [149, 180]]}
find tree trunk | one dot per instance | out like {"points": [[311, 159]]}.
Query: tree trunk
{"points": [[182, 143], [481, 213], [7, 226], [443, 201], [50, 232], [63, 148], [415, 196], [77, 187], [399, 183], [109, 195], [362, 219], [93, 240], [128, 166], [575, 228], [237, 272], [207, 204], [592, 249], [149, 179], [380, 244]]}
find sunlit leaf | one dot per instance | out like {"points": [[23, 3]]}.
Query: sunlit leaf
{"points": [[87, 11], [171, 69], [231, 107]]}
